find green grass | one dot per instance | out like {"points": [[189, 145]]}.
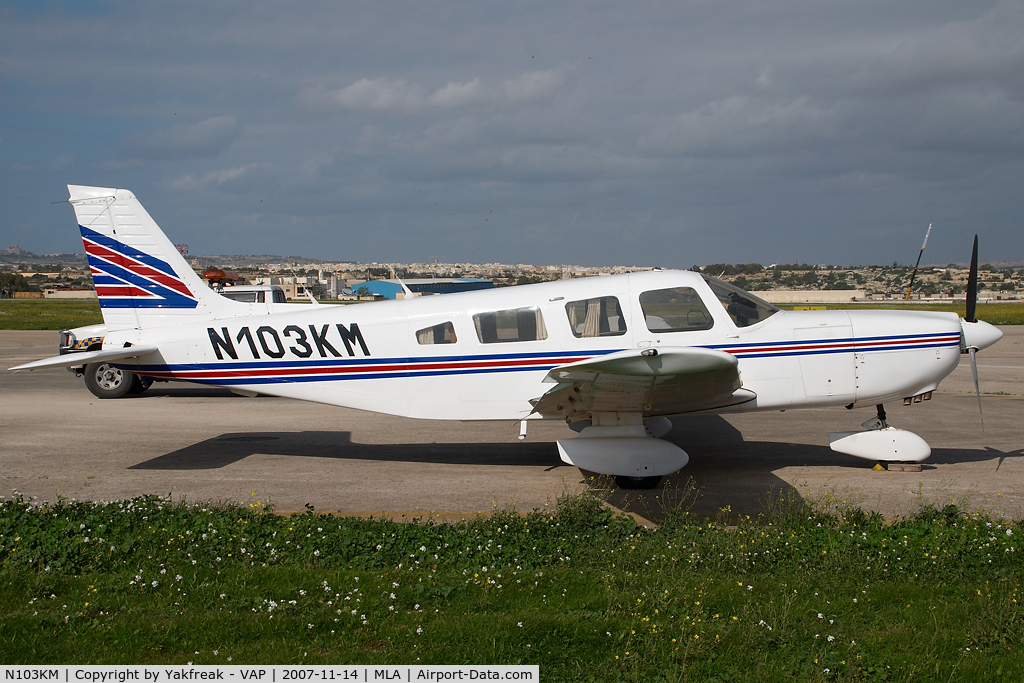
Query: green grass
{"points": [[800, 594], [995, 313], [48, 314]]}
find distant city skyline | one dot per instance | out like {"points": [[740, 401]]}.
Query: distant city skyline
{"points": [[660, 133]]}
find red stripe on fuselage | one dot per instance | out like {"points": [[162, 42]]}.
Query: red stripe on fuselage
{"points": [[364, 369]]}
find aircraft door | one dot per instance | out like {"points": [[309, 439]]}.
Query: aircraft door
{"points": [[827, 359]]}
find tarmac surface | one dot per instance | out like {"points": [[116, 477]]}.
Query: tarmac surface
{"points": [[198, 444]]}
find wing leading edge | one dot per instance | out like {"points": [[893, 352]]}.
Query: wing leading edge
{"points": [[75, 359]]}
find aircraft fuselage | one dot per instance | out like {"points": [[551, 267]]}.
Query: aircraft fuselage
{"points": [[438, 357]]}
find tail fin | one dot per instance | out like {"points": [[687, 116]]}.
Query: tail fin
{"points": [[141, 279]]}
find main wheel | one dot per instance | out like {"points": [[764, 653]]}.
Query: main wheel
{"points": [[106, 381], [140, 383], [637, 482]]}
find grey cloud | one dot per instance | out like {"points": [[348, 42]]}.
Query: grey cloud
{"points": [[980, 52], [205, 139], [211, 179], [396, 95], [697, 128], [740, 125]]}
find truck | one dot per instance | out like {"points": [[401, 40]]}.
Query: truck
{"points": [[106, 381]]}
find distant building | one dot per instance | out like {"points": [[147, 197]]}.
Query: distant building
{"points": [[391, 289], [69, 293], [336, 285]]}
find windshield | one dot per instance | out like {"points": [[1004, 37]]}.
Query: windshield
{"points": [[744, 308]]}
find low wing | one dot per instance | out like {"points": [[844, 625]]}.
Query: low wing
{"points": [[74, 359], [665, 381]]}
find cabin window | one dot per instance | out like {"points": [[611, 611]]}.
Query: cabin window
{"points": [[512, 325], [744, 308], [438, 334], [278, 297], [596, 317], [679, 309]]}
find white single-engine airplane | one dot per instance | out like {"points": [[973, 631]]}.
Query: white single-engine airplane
{"points": [[612, 356]]}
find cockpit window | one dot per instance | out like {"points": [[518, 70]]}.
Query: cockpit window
{"points": [[744, 308], [438, 334], [596, 317], [679, 309]]}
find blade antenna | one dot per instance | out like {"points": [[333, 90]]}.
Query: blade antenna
{"points": [[919, 254]]}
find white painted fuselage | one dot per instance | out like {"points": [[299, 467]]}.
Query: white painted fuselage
{"points": [[367, 356]]}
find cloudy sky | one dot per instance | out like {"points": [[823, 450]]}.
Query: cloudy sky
{"points": [[643, 133]]}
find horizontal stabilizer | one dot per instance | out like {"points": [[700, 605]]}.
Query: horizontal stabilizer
{"points": [[70, 360]]}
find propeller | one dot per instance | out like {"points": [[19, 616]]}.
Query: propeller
{"points": [[975, 334], [977, 387], [970, 315], [972, 286]]}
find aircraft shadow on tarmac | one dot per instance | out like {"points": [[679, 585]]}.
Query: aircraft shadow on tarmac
{"points": [[724, 470]]}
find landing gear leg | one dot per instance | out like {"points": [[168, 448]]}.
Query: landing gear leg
{"points": [[881, 415]]}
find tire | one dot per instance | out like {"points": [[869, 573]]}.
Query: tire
{"points": [[106, 381], [637, 483], [140, 383]]}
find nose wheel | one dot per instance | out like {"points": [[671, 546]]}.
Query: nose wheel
{"points": [[880, 442], [637, 483]]}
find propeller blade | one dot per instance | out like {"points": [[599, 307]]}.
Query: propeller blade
{"points": [[972, 286], [977, 387]]}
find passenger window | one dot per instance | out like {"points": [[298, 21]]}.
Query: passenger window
{"points": [[679, 309], [744, 308], [596, 317], [438, 334], [512, 325], [279, 297]]}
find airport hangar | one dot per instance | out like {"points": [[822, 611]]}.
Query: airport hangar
{"points": [[392, 289]]}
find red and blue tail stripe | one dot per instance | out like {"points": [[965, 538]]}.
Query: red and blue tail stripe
{"points": [[125, 277]]}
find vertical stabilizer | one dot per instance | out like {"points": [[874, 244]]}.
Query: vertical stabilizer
{"points": [[141, 279]]}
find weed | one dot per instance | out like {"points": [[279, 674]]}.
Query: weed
{"points": [[800, 592]]}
